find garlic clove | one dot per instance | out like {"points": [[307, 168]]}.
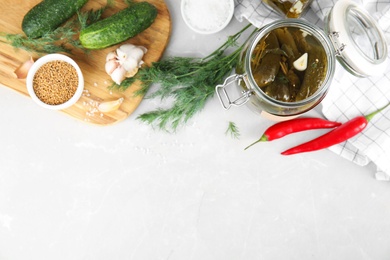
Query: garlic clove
{"points": [[111, 56], [130, 64], [121, 55], [301, 63], [22, 71], [134, 58], [126, 48], [118, 75], [127, 51], [137, 54], [110, 106], [110, 66]]}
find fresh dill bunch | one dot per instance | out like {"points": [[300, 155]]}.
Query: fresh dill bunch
{"points": [[233, 130], [62, 39], [190, 82]]}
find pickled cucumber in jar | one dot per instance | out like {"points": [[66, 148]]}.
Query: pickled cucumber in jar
{"points": [[289, 64], [289, 8]]}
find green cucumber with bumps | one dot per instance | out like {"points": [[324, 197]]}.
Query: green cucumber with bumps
{"points": [[48, 15], [119, 27]]}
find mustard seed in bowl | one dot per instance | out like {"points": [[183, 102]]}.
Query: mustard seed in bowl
{"points": [[55, 82]]}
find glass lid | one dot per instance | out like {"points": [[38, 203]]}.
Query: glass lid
{"points": [[359, 43]]}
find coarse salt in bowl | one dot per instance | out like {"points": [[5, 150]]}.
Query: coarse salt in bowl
{"points": [[55, 86], [207, 16]]}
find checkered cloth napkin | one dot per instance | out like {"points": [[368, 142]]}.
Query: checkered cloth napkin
{"points": [[349, 96]]}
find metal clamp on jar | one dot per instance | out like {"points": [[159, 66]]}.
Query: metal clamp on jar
{"points": [[286, 68]]}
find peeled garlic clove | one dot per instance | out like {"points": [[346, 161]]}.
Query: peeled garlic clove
{"points": [[118, 75], [110, 66], [301, 63], [110, 106], [22, 71]]}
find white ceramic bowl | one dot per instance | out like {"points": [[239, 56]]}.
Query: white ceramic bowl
{"points": [[204, 18], [40, 62]]}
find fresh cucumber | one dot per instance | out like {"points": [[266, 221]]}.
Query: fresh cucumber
{"points": [[119, 27], [48, 15]]}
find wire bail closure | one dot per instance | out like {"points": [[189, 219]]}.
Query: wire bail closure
{"points": [[224, 97], [339, 48]]}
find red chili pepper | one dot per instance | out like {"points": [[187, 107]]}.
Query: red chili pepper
{"points": [[284, 128], [336, 136]]}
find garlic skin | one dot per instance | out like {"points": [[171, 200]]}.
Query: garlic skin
{"points": [[124, 62]]}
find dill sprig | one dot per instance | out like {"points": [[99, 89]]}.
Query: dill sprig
{"points": [[233, 130], [59, 40], [190, 82], [62, 39]]}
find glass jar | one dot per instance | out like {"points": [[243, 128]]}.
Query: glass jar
{"points": [[289, 8], [353, 38]]}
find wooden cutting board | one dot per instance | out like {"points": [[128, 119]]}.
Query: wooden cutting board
{"points": [[155, 39]]}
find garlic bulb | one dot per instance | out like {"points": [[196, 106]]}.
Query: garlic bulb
{"points": [[124, 62]]}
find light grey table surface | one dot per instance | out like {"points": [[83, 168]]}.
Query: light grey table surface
{"points": [[73, 191]]}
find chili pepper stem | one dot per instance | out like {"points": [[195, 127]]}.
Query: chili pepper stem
{"points": [[371, 115], [263, 138]]}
